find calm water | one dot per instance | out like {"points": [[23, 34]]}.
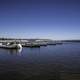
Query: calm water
{"points": [[58, 62]]}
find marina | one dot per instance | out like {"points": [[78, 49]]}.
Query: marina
{"points": [[19, 43], [39, 39]]}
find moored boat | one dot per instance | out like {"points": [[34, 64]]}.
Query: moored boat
{"points": [[13, 46]]}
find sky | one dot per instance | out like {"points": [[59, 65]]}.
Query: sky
{"points": [[50, 19]]}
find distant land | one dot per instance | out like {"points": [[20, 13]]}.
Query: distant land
{"points": [[31, 39]]}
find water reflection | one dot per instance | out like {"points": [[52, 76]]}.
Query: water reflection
{"points": [[15, 51]]}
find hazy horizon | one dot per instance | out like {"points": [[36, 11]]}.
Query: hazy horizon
{"points": [[47, 19]]}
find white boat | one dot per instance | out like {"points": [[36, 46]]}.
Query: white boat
{"points": [[13, 46]]}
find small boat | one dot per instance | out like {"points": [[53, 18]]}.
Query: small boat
{"points": [[35, 46], [13, 46], [31, 45], [51, 43]]}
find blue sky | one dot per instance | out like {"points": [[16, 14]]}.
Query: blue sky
{"points": [[53, 19]]}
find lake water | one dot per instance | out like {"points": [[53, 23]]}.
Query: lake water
{"points": [[57, 62]]}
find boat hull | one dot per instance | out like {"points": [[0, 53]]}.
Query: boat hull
{"points": [[15, 46]]}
